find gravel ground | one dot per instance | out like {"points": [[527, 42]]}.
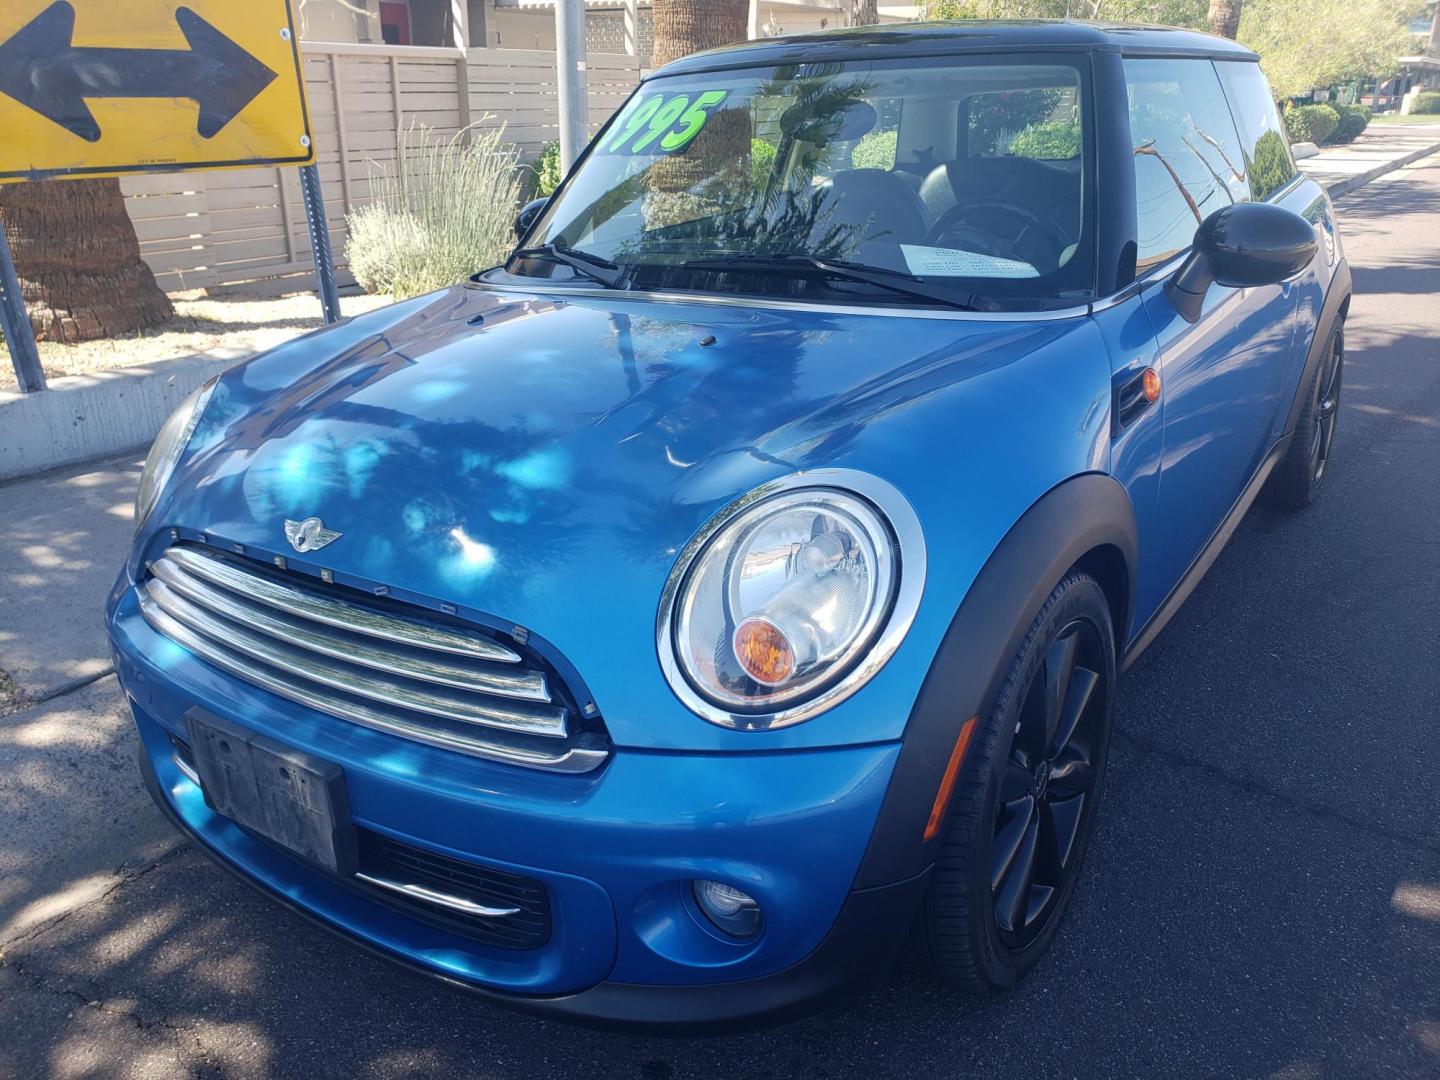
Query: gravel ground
{"points": [[235, 326]]}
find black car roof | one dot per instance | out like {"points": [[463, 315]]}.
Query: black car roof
{"points": [[962, 36]]}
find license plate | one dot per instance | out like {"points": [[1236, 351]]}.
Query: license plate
{"points": [[291, 798]]}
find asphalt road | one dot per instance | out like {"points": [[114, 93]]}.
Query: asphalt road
{"points": [[1263, 897]]}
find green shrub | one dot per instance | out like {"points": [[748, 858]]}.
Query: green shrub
{"points": [[547, 170], [1311, 123], [1051, 140], [875, 151], [1427, 102], [442, 210], [762, 160], [1270, 168], [1353, 120]]}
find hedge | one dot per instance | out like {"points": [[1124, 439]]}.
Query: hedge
{"points": [[1311, 123], [1353, 120], [1428, 102], [1052, 140]]}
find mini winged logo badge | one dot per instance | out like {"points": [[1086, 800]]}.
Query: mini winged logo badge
{"points": [[309, 535]]}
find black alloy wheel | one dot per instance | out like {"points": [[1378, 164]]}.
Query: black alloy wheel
{"points": [[1024, 801], [1327, 406], [1047, 785], [1295, 483]]}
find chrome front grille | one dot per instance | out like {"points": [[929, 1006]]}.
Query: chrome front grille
{"points": [[395, 669]]}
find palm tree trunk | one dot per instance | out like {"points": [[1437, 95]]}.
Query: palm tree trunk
{"points": [[864, 12], [78, 260], [686, 26], [1225, 17]]}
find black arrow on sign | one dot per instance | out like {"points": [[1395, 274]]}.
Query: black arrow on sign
{"points": [[41, 69]]}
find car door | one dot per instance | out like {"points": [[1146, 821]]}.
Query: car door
{"points": [[1223, 376]]}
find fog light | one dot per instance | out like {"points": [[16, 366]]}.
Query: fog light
{"points": [[735, 912]]}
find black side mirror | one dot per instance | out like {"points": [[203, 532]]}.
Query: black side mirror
{"points": [[528, 213], [1241, 246]]}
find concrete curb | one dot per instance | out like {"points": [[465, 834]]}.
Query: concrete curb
{"points": [[1350, 183], [86, 417]]}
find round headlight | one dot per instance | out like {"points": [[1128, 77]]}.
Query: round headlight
{"points": [[167, 448], [791, 598]]}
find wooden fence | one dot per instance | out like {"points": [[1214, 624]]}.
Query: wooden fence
{"points": [[216, 228]]}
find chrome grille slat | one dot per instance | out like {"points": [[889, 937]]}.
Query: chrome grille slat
{"points": [[582, 754], [440, 669], [475, 709], [332, 612]]}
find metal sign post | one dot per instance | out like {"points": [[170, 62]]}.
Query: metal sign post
{"points": [[320, 241], [19, 335]]}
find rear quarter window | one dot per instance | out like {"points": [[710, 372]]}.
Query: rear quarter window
{"points": [[1269, 166]]}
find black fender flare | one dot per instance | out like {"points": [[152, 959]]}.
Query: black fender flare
{"points": [[1075, 519]]}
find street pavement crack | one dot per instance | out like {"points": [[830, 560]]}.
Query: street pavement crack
{"points": [[1254, 788], [127, 874]]}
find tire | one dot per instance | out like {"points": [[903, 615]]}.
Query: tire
{"points": [[1296, 481], [966, 933]]}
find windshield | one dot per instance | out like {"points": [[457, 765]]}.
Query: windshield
{"points": [[964, 173]]}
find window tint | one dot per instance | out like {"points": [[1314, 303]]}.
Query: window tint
{"points": [[1188, 161], [1267, 152]]}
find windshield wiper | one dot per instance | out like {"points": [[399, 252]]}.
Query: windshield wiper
{"points": [[880, 276], [596, 267]]}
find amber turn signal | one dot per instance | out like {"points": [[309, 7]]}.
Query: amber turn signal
{"points": [[764, 652], [1151, 382]]}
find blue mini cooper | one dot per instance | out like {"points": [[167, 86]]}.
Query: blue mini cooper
{"points": [[668, 626]]}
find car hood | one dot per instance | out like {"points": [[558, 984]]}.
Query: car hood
{"points": [[543, 460]]}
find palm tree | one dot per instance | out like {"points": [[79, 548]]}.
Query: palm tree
{"points": [[1224, 17], [686, 26], [78, 260]]}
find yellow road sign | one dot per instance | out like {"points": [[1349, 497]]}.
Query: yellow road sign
{"points": [[107, 87]]}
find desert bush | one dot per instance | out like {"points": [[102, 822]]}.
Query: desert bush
{"points": [[1051, 140], [442, 210], [1311, 123], [1428, 102]]}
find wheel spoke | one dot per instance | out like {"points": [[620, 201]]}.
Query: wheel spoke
{"points": [[1008, 839], [1015, 781], [1082, 691], [1072, 774], [1011, 900], [1059, 665], [1064, 818]]}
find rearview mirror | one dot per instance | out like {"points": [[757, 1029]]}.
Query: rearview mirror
{"points": [[528, 213], [1241, 246]]}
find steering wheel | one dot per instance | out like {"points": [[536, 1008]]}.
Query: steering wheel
{"points": [[1001, 229]]}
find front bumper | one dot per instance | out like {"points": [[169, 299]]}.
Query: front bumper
{"points": [[615, 850]]}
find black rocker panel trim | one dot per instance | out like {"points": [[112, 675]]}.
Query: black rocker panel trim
{"points": [[1072, 520]]}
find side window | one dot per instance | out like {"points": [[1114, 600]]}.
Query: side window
{"points": [[1267, 151], [1040, 123], [1188, 161]]}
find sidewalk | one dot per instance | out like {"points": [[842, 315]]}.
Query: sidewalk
{"points": [[1378, 150]]}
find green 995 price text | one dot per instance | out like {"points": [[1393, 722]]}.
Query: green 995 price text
{"points": [[663, 123]]}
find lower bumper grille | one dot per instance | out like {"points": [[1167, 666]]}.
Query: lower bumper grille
{"points": [[390, 668], [524, 924]]}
